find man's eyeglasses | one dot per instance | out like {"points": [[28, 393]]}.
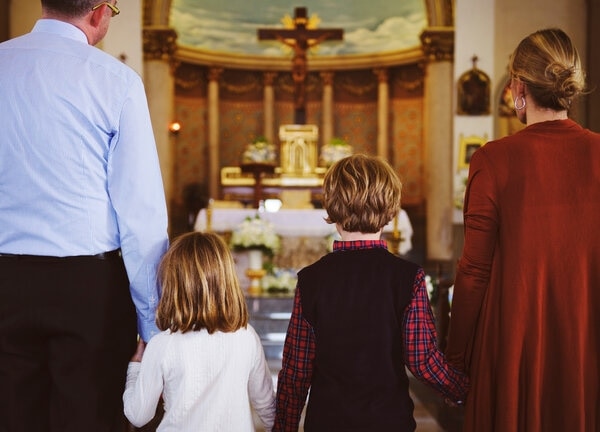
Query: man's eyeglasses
{"points": [[115, 10]]}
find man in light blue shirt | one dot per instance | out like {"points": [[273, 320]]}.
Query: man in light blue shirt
{"points": [[83, 223]]}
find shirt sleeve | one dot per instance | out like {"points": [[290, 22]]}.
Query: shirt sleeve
{"points": [[144, 386], [296, 373], [260, 385], [475, 265], [136, 191], [423, 358]]}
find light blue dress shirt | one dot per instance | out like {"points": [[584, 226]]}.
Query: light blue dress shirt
{"points": [[79, 170]]}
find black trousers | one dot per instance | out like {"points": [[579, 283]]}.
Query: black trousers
{"points": [[67, 332]]}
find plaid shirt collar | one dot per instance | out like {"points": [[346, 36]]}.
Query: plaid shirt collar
{"points": [[339, 245]]}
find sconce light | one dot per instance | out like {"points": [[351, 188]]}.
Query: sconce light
{"points": [[174, 127]]}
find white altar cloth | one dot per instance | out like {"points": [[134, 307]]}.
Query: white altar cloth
{"points": [[294, 223]]}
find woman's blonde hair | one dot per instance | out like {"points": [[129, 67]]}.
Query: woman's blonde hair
{"points": [[361, 193], [549, 64], [200, 289]]}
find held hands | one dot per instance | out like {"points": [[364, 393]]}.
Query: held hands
{"points": [[139, 351], [449, 402]]}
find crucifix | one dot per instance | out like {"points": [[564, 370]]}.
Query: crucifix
{"points": [[300, 39]]}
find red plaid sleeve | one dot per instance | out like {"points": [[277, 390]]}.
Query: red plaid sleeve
{"points": [[296, 370], [422, 356]]}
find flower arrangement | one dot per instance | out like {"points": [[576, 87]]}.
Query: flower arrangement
{"points": [[260, 150], [279, 280], [255, 233], [337, 149]]}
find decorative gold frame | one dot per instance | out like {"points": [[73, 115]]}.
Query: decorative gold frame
{"points": [[467, 145]]}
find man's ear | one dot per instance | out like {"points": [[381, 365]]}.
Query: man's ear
{"points": [[96, 16]]}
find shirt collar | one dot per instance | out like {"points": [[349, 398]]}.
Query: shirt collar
{"points": [[339, 245], [61, 28]]}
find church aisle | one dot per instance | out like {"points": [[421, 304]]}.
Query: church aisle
{"points": [[431, 414], [425, 421], [427, 403]]}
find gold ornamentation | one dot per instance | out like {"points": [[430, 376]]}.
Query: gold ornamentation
{"points": [[438, 43], [252, 84], [298, 149], [255, 276], [188, 76], [410, 79], [353, 88], [159, 43]]}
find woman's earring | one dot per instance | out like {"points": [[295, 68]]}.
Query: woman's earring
{"points": [[519, 108]]}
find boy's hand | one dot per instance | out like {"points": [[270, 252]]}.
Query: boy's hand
{"points": [[453, 404]]}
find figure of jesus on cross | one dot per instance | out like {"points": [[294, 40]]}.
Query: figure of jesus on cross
{"points": [[300, 39]]}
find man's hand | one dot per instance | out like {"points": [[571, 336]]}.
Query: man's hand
{"points": [[139, 351]]}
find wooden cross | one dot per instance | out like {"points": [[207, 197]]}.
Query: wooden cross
{"points": [[300, 39]]}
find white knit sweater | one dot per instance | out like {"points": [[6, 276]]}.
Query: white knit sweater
{"points": [[207, 381]]}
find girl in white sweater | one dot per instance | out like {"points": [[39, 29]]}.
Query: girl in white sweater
{"points": [[208, 363]]}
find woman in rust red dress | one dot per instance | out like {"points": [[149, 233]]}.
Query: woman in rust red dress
{"points": [[526, 308]]}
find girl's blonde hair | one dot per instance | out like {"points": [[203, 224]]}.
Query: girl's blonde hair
{"points": [[361, 193], [200, 289]]}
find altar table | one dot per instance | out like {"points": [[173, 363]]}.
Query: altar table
{"points": [[294, 223]]}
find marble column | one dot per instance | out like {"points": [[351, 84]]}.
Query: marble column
{"points": [[269, 105], [214, 74], [327, 121], [438, 44], [159, 46], [383, 112]]}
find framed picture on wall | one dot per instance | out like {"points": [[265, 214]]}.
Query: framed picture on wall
{"points": [[467, 146]]}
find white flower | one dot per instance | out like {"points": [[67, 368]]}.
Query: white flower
{"points": [[280, 280], [259, 151], [331, 153], [256, 233]]}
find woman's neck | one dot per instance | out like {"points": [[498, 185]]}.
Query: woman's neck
{"points": [[538, 115]]}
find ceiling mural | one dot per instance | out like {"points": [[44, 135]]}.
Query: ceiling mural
{"points": [[230, 26]]}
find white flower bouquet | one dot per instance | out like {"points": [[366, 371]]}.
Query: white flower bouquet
{"points": [[334, 151], [256, 233], [280, 281], [259, 151]]}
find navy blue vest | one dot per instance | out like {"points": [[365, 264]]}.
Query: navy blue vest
{"points": [[355, 301]]}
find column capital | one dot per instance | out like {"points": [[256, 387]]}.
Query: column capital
{"points": [[160, 43], [214, 73], [327, 77], [269, 78], [382, 74], [438, 43]]}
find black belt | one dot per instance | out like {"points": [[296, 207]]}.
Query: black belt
{"points": [[101, 256]]}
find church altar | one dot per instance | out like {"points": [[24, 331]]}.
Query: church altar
{"points": [[305, 236], [294, 223]]}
